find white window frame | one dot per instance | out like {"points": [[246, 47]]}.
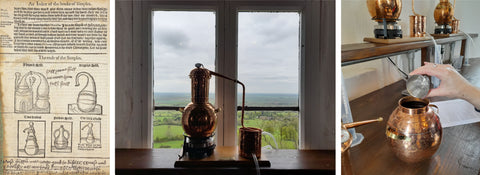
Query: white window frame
{"points": [[313, 134]]}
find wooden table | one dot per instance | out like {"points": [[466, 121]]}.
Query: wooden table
{"points": [[161, 161], [459, 152], [361, 52]]}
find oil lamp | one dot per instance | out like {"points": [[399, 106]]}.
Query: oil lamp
{"points": [[386, 13], [443, 15]]}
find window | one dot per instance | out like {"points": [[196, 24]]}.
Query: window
{"points": [[180, 39], [227, 57], [268, 57]]}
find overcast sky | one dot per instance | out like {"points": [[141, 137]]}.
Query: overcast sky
{"points": [[268, 50]]}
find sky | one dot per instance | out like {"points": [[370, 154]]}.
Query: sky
{"points": [[268, 50]]}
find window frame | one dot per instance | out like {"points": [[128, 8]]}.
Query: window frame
{"points": [[226, 91]]}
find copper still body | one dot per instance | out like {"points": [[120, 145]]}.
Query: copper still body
{"points": [[198, 117], [386, 13], [414, 131], [443, 13], [388, 9]]}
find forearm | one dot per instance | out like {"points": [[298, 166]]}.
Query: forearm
{"points": [[472, 95]]}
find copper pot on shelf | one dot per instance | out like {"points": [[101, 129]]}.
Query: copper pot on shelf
{"points": [[388, 9], [443, 13], [414, 131]]}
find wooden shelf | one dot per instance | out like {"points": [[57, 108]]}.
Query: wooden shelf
{"points": [[355, 53], [161, 161]]}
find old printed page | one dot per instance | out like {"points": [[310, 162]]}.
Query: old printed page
{"points": [[54, 86]]}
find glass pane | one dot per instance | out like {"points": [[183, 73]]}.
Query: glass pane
{"points": [[283, 125], [268, 58], [180, 39]]}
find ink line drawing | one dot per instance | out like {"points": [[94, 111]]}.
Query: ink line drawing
{"points": [[90, 138], [61, 137], [86, 99], [28, 86], [31, 146], [90, 135]]}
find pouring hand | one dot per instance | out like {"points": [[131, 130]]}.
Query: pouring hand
{"points": [[452, 84]]}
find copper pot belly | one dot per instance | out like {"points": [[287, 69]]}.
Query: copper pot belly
{"points": [[199, 119], [414, 131], [443, 13], [388, 9]]}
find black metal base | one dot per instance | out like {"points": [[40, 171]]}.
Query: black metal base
{"points": [[391, 33], [445, 30], [198, 148]]}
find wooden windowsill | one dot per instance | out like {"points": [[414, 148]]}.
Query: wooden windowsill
{"points": [[156, 161]]}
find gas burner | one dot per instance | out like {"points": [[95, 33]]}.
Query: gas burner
{"points": [[388, 30], [198, 148], [443, 29]]}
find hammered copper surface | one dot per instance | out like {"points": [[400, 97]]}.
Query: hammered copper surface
{"points": [[198, 117], [418, 26], [250, 142], [455, 25], [388, 9], [443, 13], [414, 133]]}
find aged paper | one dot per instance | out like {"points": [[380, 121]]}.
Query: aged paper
{"points": [[54, 86]]}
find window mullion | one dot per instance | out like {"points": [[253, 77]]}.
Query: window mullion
{"points": [[227, 134]]}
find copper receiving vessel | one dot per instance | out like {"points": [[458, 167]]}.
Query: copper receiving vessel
{"points": [[414, 131], [443, 13], [388, 9], [198, 117]]}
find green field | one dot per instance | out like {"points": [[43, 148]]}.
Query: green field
{"points": [[283, 125]]}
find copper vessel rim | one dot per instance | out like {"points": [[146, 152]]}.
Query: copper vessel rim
{"points": [[413, 110]]}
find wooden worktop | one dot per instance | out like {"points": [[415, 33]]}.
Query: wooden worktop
{"points": [[161, 161], [365, 51], [459, 152]]}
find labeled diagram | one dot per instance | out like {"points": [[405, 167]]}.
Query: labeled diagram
{"points": [[61, 137], [86, 99], [31, 93], [90, 135], [31, 138]]}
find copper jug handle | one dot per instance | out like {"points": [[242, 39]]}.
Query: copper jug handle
{"points": [[436, 107]]}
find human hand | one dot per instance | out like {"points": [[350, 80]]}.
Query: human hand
{"points": [[452, 84]]}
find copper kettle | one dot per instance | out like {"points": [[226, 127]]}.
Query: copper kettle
{"points": [[413, 130], [388, 9]]}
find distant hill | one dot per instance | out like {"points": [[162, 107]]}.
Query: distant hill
{"points": [[251, 99]]}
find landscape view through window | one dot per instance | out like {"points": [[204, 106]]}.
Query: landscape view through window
{"points": [[268, 54]]}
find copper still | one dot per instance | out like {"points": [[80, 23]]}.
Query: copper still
{"points": [[199, 117], [443, 15], [414, 131], [199, 120], [386, 13], [346, 137]]}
